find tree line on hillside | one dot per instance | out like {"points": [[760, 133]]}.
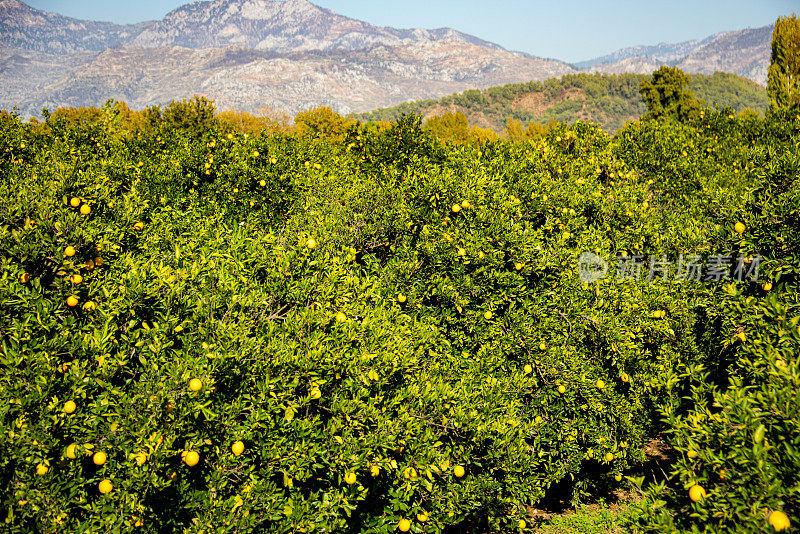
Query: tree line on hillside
{"points": [[608, 99]]}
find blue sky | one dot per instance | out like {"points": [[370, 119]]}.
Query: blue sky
{"points": [[570, 30]]}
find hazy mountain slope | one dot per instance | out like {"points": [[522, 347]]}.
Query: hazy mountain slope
{"points": [[662, 52], [247, 54], [21, 26], [743, 52], [28, 77], [250, 79], [289, 25]]}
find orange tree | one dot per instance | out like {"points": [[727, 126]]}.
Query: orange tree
{"points": [[301, 334], [732, 415]]}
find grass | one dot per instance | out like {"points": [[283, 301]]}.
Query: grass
{"points": [[598, 518]]}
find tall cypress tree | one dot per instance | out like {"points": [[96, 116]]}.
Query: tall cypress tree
{"points": [[667, 96], [783, 84]]}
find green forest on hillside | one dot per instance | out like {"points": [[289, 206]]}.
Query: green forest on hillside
{"points": [[607, 99]]}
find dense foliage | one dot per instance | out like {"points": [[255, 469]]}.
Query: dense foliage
{"points": [[783, 82], [666, 95], [364, 329]]}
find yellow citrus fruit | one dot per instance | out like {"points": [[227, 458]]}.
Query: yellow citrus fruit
{"points": [[618, 477], [691, 453], [487, 315], [141, 458], [542, 346], [99, 458], [69, 406], [609, 456], [89, 305], [522, 524], [742, 336], [600, 384], [739, 227], [401, 298], [138, 226], [456, 208], [624, 377], [42, 469], [562, 389], [458, 471], [72, 452], [465, 204], [105, 486], [350, 478], [237, 448], [24, 278], [191, 458], [404, 525], [85, 209], [779, 520], [72, 301], [315, 393], [422, 517], [311, 243], [528, 369], [69, 251], [696, 493], [767, 286], [76, 278], [518, 266], [262, 183], [273, 161], [341, 317], [74, 202], [195, 384]]}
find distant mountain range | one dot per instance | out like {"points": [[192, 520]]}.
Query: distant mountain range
{"points": [[744, 52], [292, 55]]}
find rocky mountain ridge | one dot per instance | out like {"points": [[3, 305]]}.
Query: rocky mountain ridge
{"points": [[743, 52], [291, 55]]}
